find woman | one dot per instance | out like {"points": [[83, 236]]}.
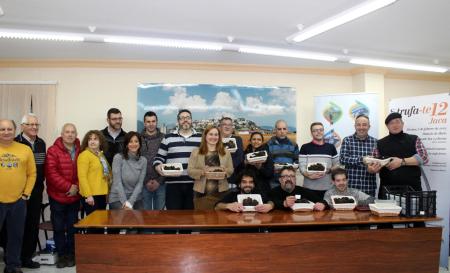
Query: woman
{"points": [[94, 172], [129, 169], [210, 155], [62, 188], [264, 171]]}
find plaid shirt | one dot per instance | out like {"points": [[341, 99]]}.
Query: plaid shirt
{"points": [[353, 150], [421, 155]]}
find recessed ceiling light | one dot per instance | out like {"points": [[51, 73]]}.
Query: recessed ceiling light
{"points": [[399, 65], [339, 19]]}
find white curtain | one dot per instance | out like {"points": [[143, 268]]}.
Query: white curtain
{"points": [[17, 100]]}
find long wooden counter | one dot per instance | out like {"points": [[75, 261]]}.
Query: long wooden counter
{"points": [[230, 242]]}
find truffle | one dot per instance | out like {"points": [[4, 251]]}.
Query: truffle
{"points": [[343, 200], [249, 202], [316, 167]]}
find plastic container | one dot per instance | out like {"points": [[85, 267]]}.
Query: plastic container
{"points": [[215, 175], [344, 206], [254, 197], [260, 156], [370, 159], [177, 172], [230, 144], [279, 166], [385, 209], [413, 203]]}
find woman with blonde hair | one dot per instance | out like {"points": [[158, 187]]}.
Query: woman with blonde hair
{"points": [[94, 172], [210, 157]]}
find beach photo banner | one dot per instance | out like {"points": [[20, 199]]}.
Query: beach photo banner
{"points": [[338, 112], [253, 108]]}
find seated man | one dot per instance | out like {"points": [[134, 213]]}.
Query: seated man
{"points": [[246, 186], [340, 187], [283, 196]]}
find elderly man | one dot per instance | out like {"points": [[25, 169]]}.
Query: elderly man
{"points": [[283, 196], [246, 186], [29, 136], [17, 178], [353, 149], [407, 152]]}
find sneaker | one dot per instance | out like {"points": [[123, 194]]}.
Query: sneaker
{"points": [[62, 262], [70, 260], [31, 264]]}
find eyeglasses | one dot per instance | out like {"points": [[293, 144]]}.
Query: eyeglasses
{"points": [[185, 118], [116, 119], [287, 176], [317, 130], [37, 125], [282, 129]]}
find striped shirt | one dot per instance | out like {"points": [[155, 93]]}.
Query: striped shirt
{"points": [[175, 148], [353, 150]]}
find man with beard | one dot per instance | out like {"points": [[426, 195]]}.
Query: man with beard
{"points": [[354, 148], [113, 134], [283, 196], [246, 186], [407, 152], [176, 147]]}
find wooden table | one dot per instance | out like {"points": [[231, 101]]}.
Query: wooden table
{"points": [[279, 241]]}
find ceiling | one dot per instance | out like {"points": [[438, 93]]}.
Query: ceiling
{"points": [[415, 31]]}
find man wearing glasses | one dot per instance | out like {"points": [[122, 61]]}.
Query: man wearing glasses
{"points": [[29, 136], [281, 148], [114, 134], [284, 196], [176, 147], [316, 160]]}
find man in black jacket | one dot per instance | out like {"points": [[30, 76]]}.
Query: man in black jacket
{"points": [[114, 134], [29, 136]]}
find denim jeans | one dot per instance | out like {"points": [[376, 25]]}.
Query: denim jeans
{"points": [[14, 215], [63, 217], [155, 200]]}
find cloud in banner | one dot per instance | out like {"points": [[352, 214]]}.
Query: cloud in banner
{"points": [[256, 107], [180, 99], [284, 96], [224, 101]]}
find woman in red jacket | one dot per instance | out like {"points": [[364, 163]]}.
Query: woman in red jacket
{"points": [[62, 189]]}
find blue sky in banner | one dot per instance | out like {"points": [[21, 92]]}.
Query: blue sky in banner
{"points": [[262, 105]]}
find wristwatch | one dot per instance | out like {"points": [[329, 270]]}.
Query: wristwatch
{"points": [[403, 162]]}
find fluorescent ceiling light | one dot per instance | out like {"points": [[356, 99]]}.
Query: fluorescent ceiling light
{"points": [[391, 64], [165, 43], [339, 19], [36, 35], [286, 53]]}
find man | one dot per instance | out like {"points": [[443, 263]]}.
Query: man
{"points": [[281, 149], [226, 129], [353, 149], [246, 186], [317, 151], [283, 196], [29, 136], [176, 147], [340, 187], [114, 134], [17, 178], [155, 190], [407, 152]]}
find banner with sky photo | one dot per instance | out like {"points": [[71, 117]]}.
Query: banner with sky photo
{"points": [[253, 108]]}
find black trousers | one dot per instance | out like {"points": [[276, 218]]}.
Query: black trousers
{"points": [[180, 196], [32, 220]]}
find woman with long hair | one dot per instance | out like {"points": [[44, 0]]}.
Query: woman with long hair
{"points": [[94, 172], [263, 170], [210, 157], [129, 169]]}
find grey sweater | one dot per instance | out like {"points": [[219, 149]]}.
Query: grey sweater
{"points": [[128, 179], [362, 198]]}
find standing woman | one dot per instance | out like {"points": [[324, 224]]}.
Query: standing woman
{"points": [[210, 155], [264, 171], [62, 188], [129, 169], [94, 172]]}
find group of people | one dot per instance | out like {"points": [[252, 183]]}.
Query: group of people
{"points": [[120, 170]]}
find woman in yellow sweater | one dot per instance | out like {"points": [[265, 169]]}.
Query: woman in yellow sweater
{"points": [[94, 172]]}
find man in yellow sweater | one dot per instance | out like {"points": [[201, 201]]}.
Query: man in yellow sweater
{"points": [[17, 178]]}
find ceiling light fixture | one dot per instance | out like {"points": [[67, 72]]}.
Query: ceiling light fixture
{"points": [[165, 43], [399, 65], [36, 35], [339, 19], [286, 53], [1, 11]]}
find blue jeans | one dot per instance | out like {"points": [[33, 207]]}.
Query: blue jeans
{"points": [[155, 200], [14, 214], [63, 217]]}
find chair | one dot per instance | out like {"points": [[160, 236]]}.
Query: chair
{"points": [[45, 225]]}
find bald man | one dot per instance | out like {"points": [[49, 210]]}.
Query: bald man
{"points": [[17, 178]]}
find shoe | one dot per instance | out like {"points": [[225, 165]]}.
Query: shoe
{"points": [[15, 270], [70, 260], [31, 264], [62, 262]]}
